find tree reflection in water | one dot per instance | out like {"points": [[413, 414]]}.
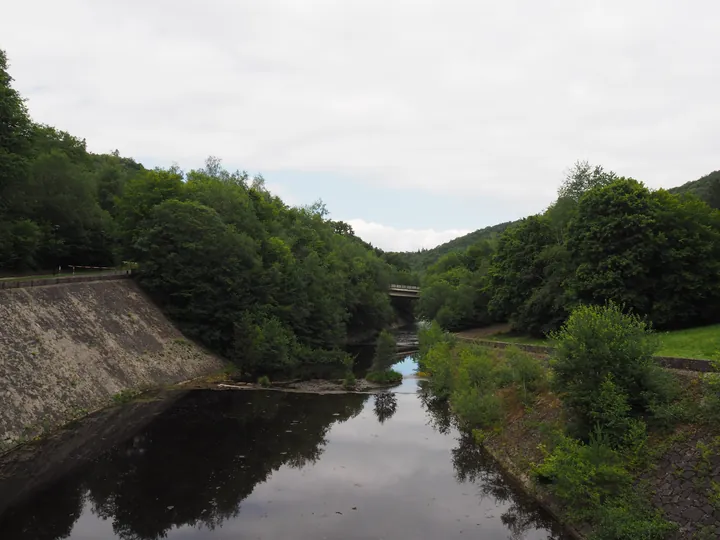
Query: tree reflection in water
{"points": [[473, 464], [385, 406], [439, 415], [193, 465]]}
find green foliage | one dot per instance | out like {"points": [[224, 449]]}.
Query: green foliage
{"points": [[385, 352], [603, 356], [470, 377], [425, 258], [15, 139], [710, 407], [582, 178], [706, 188], [656, 253], [527, 277], [605, 238], [631, 518], [583, 476], [428, 336], [388, 376], [477, 408], [125, 396], [50, 187], [523, 371], [453, 289], [264, 381], [349, 381], [594, 484], [274, 289]]}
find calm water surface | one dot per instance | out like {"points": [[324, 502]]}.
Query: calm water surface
{"points": [[270, 465]]}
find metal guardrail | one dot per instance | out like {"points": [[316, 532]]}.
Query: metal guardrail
{"points": [[42, 282]]}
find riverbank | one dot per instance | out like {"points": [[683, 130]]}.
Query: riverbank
{"points": [[662, 480], [679, 477]]}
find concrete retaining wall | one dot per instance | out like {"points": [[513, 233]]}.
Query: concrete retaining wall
{"points": [[68, 349]]}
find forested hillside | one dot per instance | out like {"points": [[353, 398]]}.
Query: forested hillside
{"points": [[424, 258], [707, 188], [273, 288], [606, 238]]}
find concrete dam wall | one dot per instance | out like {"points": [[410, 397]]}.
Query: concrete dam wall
{"points": [[68, 349]]}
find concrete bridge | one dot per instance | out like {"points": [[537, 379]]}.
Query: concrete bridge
{"points": [[404, 291]]}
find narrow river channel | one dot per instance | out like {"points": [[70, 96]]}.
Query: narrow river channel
{"points": [[274, 465]]}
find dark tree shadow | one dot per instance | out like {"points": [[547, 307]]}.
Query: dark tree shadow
{"points": [[385, 406]]}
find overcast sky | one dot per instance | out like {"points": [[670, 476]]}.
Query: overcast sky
{"points": [[416, 121]]}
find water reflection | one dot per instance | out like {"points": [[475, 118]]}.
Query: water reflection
{"points": [[193, 465], [472, 464], [385, 406], [273, 465]]}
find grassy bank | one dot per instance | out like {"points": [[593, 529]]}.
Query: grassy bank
{"points": [[702, 342], [633, 453]]}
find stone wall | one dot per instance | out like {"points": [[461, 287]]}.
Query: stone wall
{"points": [[68, 349], [685, 484]]}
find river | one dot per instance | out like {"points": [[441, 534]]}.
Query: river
{"points": [[274, 465]]}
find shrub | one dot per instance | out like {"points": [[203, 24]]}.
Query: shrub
{"points": [[264, 381], [429, 336], [582, 475], [384, 377], [350, 381], [524, 370], [125, 396], [475, 408], [610, 411], [385, 352], [629, 518], [438, 363], [598, 342]]}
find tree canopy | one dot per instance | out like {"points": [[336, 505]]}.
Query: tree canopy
{"points": [[605, 238], [271, 287]]}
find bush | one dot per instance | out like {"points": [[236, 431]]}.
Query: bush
{"points": [[603, 355], [583, 476], [628, 518], [125, 396], [429, 336], [350, 381], [522, 369], [384, 377], [475, 408], [438, 363], [264, 381], [385, 352]]}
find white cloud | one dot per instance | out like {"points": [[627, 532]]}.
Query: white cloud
{"points": [[394, 239], [450, 96], [281, 191]]}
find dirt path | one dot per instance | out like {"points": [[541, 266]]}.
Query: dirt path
{"points": [[485, 331]]}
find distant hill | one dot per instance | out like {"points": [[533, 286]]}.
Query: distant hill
{"points": [[419, 260], [707, 188], [702, 187]]}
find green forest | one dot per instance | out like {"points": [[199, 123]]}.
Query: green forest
{"points": [[605, 238], [277, 288], [270, 287]]}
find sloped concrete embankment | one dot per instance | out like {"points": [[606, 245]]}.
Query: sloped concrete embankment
{"points": [[66, 350]]}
